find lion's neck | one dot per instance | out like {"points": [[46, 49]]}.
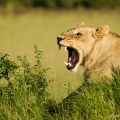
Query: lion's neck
{"points": [[99, 59]]}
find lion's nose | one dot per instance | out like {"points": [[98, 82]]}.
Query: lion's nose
{"points": [[59, 38]]}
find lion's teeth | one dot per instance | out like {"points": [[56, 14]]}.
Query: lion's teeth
{"points": [[65, 49], [66, 63], [59, 47], [69, 64]]}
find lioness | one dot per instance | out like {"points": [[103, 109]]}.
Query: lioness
{"points": [[94, 48]]}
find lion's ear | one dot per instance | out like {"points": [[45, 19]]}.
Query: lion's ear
{"points": [[103, 30], [81, 24]]}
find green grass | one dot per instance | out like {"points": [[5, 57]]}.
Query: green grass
{"points": [[25, 97], [18, 34]]}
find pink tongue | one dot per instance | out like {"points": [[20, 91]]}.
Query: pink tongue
{"points": [[72, 58]]}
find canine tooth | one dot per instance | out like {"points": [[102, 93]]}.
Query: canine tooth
{"points": [[69, 64], [59, 47], [65, 49], [66, 63]]}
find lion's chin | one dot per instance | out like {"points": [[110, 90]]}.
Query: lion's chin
{"points": [[75, 68]]}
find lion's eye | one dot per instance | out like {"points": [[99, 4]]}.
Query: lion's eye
{"points": [[79, 34]]}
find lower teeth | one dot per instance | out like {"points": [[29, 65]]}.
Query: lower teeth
{"points": [[68, 64]]}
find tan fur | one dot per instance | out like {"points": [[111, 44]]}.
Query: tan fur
{"points": [[98, 48]]}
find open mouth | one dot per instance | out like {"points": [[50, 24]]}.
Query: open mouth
{"points": [[73, 57]]}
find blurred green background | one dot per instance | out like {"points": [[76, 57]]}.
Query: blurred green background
{"points": [[25, 23], [64, 3]]}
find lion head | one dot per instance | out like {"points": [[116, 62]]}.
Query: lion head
{"points": [[79, 42]]}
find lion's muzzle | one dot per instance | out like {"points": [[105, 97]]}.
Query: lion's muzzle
{"points": [[59, 38]]}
